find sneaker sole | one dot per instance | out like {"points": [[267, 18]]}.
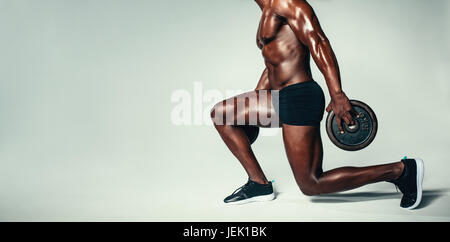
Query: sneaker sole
{"points": [[419, 180], [264, 198]]}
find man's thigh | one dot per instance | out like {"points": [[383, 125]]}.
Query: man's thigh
{"points": [[304, 151], [251, 108]]}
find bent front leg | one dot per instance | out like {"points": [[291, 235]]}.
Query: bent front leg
{"points": [[254, 108]]}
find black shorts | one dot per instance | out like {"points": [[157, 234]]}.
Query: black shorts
{"points": [[301, 104]]}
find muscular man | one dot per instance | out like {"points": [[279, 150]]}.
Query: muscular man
{"points": [[289, 34]]}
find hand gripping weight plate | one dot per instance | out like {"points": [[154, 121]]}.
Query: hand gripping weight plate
{"points": [[358, 136]]}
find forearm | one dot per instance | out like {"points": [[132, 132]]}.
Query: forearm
{"points": [[327, 63]]}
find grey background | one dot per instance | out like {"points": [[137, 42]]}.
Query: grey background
{"points": [[85, 105]]}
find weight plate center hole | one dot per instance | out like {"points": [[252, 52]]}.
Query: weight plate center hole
{"points": [[352, 128]]}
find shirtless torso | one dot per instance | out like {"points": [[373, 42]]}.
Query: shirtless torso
{"points": [[287, 60]]}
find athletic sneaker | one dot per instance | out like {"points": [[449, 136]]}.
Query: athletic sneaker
{"points": [[410, 183], [251, 192]]}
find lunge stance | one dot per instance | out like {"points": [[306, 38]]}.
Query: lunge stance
{"points": [[289, 35]]}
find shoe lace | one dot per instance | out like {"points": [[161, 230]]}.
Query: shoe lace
{"points": [[242, 188], [400, 187]]}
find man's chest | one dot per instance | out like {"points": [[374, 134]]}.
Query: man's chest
{"points": [[269, 26]]}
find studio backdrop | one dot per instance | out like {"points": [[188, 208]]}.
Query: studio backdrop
{"points": [[104, 108]]}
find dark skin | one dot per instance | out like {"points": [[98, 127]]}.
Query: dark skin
{"points": [[289, 34]]}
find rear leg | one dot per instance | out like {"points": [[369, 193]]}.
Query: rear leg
{"points": [[303, 146]]}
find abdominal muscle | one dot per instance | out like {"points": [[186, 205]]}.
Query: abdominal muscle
{"points": [[287, 60]]}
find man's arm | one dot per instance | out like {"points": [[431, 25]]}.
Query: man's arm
{"points": [[263, 83], [303, 21]]}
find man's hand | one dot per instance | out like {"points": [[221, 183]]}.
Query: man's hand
{"points": [[343, 110]]}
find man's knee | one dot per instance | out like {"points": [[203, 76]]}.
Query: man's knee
{"points": [[217, 112], [309, 187]]}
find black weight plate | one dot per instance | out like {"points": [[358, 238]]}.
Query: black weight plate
{"points": [[356, 137]]}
